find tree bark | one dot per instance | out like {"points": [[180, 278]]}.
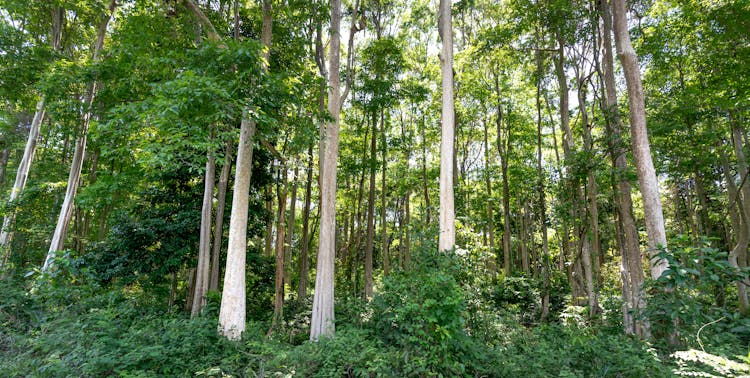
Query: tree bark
{"points": [[4, 164], [63, 220], [447, 239], [488, 188], [290, 230], [233, 297], [268, 238], [739, 254], [657, 238], [371, 208], [591, 243], [278, 296], [226, 169], [383, 193], [631, 267], [303, 258], [18, 186], [204, 251], [322, 323]]}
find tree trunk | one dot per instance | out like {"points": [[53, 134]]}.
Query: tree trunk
{"points": [[233, 297], [371, 209], [738, 256], [204, 251], [268, 240], [20, 183], [290, 230], [739, 219], [631, 267], [447, 239], [649, 184], [4, 164], [303, 258], [425, 188], [540, 187], [591, 242], [384, 190], [278, 296], [488, 187], [226, 169], [63, 220], [322, 323]]}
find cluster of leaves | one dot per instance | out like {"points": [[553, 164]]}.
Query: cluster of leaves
{"points": [[685, 297]]}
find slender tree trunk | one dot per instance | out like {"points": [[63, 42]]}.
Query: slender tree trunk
{"points": [[425, 189], [20, 183], [290, 231], [384, 190], [303, 258], [649, 184], [4, 164], [503, 151], [739, 219], [590, 248], [204, 252], [190, 289], [407, 231], [738, 255], [540, 187], [631, 268], [371, 209], [278, 302], [268, 240], [226, 169], [488, 187], [63, 220], [447, 239], [322, 323], [22, 174]]}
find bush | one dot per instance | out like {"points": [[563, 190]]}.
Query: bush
{"points": [[684, 298], [421, 312]]}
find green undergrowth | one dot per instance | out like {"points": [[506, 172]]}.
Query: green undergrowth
{"points": [[425, 322]]}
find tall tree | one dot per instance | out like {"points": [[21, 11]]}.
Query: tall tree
{"points": [[66, 211], [233, 297], [322, 323], [57, 23], [649, 185], [631, 270], [447, 238]]}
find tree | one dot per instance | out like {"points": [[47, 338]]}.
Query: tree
{"points": [[63, 220], [447, 239], [22, 174], [322, 323], [649, 185]]}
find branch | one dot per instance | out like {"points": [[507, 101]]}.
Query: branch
{"points": [[350, 55], [203, 20]]}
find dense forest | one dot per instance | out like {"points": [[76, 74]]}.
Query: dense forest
{"points": [[426, 188]]}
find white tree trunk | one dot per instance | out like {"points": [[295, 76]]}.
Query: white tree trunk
{"points": [[649, 184], [21, 175], [233, 296], [447, 238], [74, 176], [204, 249], [322, 323]]}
